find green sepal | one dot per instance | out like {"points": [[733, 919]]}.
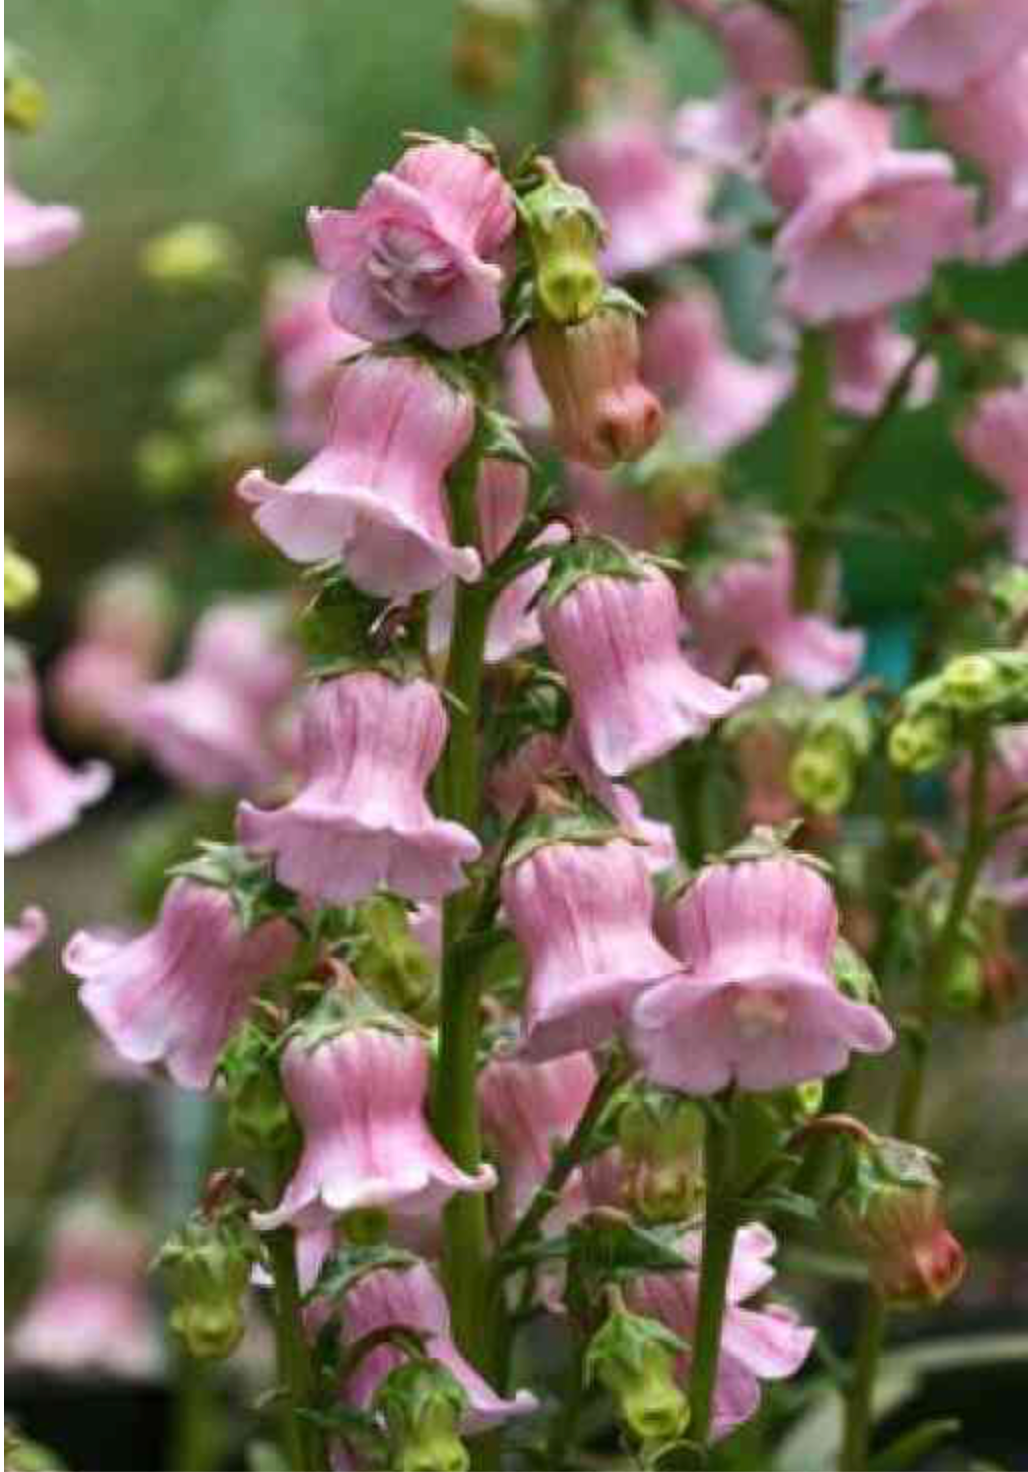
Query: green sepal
{"points": [[247, 879], [345, 631], [590, 557], [346, 1266], [584, 820]]}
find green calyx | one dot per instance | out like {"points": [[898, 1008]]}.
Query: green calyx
{"points": [[345, 631], [992, 683], [636, 1360], [390, 962], [821, 774], [423, 1404], [209, 1266], [258, 1114], [661, 1140], [591, 557], [565, 231]]}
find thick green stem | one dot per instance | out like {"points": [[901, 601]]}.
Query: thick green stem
{"points": [[812, 463], [718, 1239], [859, 1402], [819, 22], [301, 1438]]}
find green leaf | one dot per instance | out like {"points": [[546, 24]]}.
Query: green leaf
{"points": [[345, 1267], [909, 1448], [787, 1203], [500, 439]]}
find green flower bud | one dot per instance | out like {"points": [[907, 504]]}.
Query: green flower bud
{"points": [[21, 580], [24, 98], [423, 1405], [208, 1265], [565, 231], [994, 681], [661, 1139], [165, 465], [922, 742], [197, 255], [636, 1359], [822, 773], [801, 1102]]}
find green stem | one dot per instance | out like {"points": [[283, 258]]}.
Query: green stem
{"points": [[718, 1239], [303, 1445], [812, 463], [859, 1402], [863, 443], [819, 22]]}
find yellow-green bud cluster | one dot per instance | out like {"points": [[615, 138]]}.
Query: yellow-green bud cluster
{"points": [[565, 231], [637, 1360], [21, 580], [989, 685], [824, 767], [24, 98]]}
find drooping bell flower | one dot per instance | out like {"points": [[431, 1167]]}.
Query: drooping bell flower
{"points": [[634, 694], [421, 253], [868, 356], [746, 608], [994, 437], [583, 915], [764, 49], [938, 47], [93, 690], [91, 1313], [374, 496], [42, 796], [359, 1097], [686, 358], [602, 412], [176, 993], [360, 819], [866, 223], [756, 1344], [654, 205], [527, 1110], [21, 940], [306, 347], [723, 132], [758, 1003], [129, 607], [414, 1299], [35, 232], [988, 123]]}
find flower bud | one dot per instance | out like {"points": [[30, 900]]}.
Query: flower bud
{"points": [[661, 1138], [976, 684], [165, 464], [487, 41], [636, 1359], [565, 231], [422, 1403], [258, 1114], [821, 773], [893, 1212], [24, 98], [389, 961], [802, 1102], [197, 255], [602, 412], [21, 580], [209, 1267], [921, 742]]}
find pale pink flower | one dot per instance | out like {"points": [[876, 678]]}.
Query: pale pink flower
{"points": [[175, 994], [868, 355], [722, 397], [35, 232], [421, 253], [414, 1299], [758, 1003], [42, 796], [93, 689], [756, 1344], [583, 915], [307, 348], [988, 123], [360, 819], [634, 694], [359, 1098], [610, 506], [654, 205], [939, 46], [765, 51], [129, 607], [21, 940], [523, 393], [866, 223], [374, 496], [723, 132], [994, 437]]}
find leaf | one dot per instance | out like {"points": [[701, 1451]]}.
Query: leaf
{"points": [[342, 1269], [500, 439], [612, 1249], [788, 1203], [909, 1448], [255, 892]]}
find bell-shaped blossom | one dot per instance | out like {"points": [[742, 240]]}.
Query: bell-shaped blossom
{"points": [[866, 223], [756, 1344], [359, 1098], [527, 1110], [129, 607], [868, 356], [42, 796], [35, 232], [91, 1313], [764, 49], [938, 47], [994, 437], [583, 915], [361, 819], [724, 132], [654, 205], [422, 251], [758, 1004], [21, 940], [175, 994], [745, 609], [93, 689], [374, 496], [414, 1299], [988, 123], [686, 358], [634, 694], [306, 347]]}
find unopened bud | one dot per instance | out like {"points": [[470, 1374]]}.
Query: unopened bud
{"points": [[21, 580], [487, 41], [390, 962], [423, 1404], [637, 1359], [801, 1102], [195, 256], [821, 773], [258, 1114], [661, 1140], [565, 231], [963, 988], [602, 411], [209, 1265], [24, 98], [921, 742], [977, 684]]}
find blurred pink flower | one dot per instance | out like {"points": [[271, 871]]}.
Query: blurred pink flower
{"points": [[939, 46], [421, 252], [21, 940], [869, 354], [764, 50], [93, 689], [994, 437], [35, 232], [307, 348]]}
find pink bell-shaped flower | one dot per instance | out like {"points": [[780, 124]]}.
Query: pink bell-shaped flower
{"points": [[93, 689], [42, 796], [176, 993], [35, 232], [868, 355], [764, 49], [938, 47], [361, 819], [994, 437], [866, 223], [21, 940], [527, 1109], [306, 348], [413, 1299], [746, 609], [757, 1002], [374, 496], [635, 696], [359, 1097], [421, 252], [583, 914], [756, 1344]]}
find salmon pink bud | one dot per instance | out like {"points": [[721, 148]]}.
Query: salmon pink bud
{"points": [[634, 694], [939, 46], [359, 1096], [757, 1002], [35, 232], [583, 914], [868, 356], [176, 993], [42, 796], [994, 437], [22, 939], [374, 496], [420, 253], [361, 819], [602, 413]]}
